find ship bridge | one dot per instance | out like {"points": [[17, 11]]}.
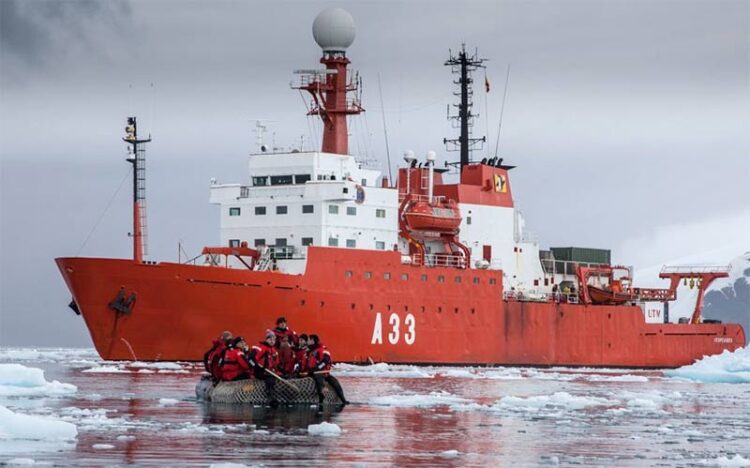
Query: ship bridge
{"points": [[291, 201]]}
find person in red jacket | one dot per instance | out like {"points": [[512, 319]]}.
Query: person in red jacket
{"points": [[234, 363], [282, 330], [212, 357], [264, 359], [300, 356], [319, 364]]}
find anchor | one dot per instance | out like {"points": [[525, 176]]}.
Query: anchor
{"points": [[122, 304]]}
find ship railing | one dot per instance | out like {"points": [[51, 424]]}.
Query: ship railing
{"points": [[441, 260], [416, 197], [261, 191], [285, 252], [697, 269], [529, 237], [531, 296], [564, 267]]}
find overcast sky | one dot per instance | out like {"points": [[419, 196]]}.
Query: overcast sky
{"points": [[628, 121]]}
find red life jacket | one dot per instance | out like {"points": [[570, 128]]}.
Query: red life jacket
{"points": [[217, 345], [293, 338], [263, 355], [233, 364], [214, 360], [319, 359], [286, 360], [300, 359]]}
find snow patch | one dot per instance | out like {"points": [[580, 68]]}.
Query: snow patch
{"points": [[19, 380], [727, 367], [382, 370], [450, 453], [324, 429], [23, 426], [417, 400]]}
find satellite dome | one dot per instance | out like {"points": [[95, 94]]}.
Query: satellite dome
{"points": [[333, 29]]}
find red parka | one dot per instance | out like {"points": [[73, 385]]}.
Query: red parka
{"points": [[319, 359], [263, 355], [234, 364], [212, 358]]}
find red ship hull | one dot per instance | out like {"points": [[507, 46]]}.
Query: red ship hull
{"points": [[414, 314]]}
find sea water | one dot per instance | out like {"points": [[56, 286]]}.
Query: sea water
{"points": [[67, 406]]}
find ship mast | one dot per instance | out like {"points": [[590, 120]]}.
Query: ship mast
{"points": [[463, 65], [137, 152], [333, 30]]}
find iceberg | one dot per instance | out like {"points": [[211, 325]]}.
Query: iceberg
{"points": [[19, 380], [22, 426], [324, 429], [727, 367]]}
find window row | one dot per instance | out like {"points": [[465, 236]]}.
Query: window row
{"points": [[422, 277], [306, 241], [306, 209], [294, 179]]}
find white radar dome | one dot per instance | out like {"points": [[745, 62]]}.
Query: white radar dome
{"points": [[333, 29]]}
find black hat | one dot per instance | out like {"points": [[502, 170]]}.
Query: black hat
{"points": [[238, 340], [303, 337], [280, 319]]}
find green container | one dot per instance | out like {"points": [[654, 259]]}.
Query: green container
{"points": [[582, 254]]}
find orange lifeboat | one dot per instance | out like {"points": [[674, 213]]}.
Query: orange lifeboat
{"points": [[440, 217]]}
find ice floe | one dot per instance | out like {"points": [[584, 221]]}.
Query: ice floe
{"points": [[727, 367], [23, 426], [450, 453], [562, 400], [736, 460], [324, 429], [19, 380], [418, 400], [383, 370], [103, 446], [168, 401], [105, 370]]}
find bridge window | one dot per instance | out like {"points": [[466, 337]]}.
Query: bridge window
{"points": [[234, 211], [260, 210], [380, 245], [351, 210], [308, 209], [333, 242], [345, 189], [351, 243], [281, 209], [380, 213], [280, 242], [468, 220], [281, 180], [234, 242], [260, 242], [364, 182], [307, 241], [301, 178], [333, 209], [260, 181]]}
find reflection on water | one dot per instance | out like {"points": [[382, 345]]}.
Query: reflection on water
{"points": [[147, 414]]}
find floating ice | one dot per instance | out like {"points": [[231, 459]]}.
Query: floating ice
{"points": [[324, 429], [557, 400], [228, 465], [155, 365], [125, 437], [737, 460], [105, 370], [45, 354], [617, 378], [381, 370], [416, 400], [20, 461], [19, 380], [168, 401], [727, 367], [102, 446], [450, 453], [23, 426]]}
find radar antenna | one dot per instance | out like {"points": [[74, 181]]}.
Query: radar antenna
{"points": [[463, 65]]}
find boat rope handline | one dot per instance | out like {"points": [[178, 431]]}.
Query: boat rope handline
{"points": [[106, 208]]}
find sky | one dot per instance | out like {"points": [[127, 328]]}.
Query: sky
{"points": [[628, 121]]}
